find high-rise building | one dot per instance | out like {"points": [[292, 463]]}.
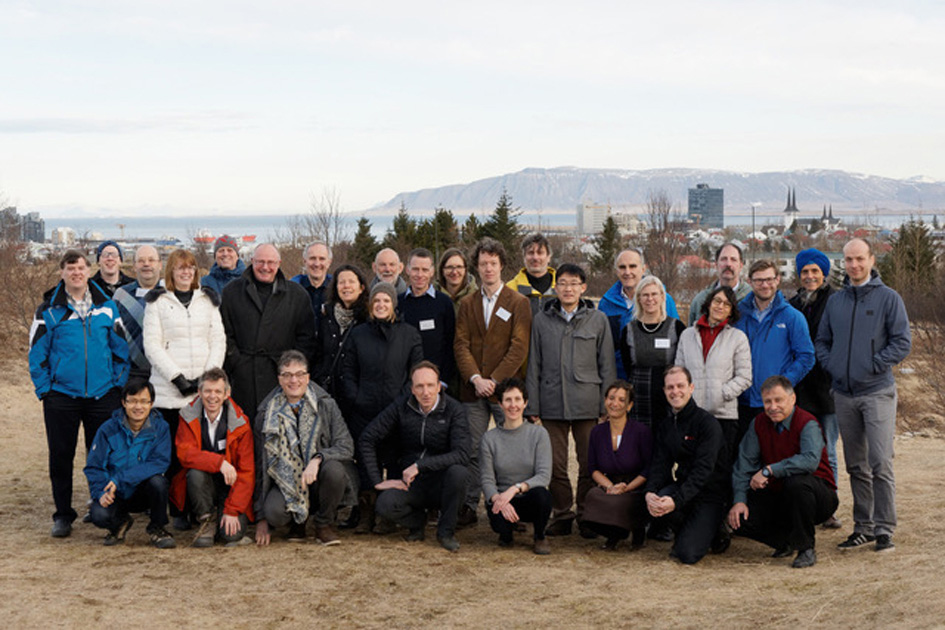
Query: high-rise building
{"points": [[707, 206], [591, 217]]}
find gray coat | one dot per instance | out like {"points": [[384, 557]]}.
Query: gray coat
{"points": [[723, 375], [570, 364]]}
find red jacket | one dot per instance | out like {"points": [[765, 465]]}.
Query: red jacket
{"points": [[239, 452]]}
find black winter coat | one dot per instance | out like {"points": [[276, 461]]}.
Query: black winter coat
{"points": [[813, 392], [256, 337], [376, 368], [433, 442], [331, 346]]}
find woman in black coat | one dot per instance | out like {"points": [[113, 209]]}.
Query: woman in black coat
{"points": [[346, 307], [375, 370]]}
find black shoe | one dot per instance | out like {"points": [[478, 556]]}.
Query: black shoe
{"points": [[884, 543], [182, 523], [610, 544], [449, 543], [559, 528], [467, 517], [855, 540], [296, 532], [161, 538], [804, 559], [782, 552], [505, 542], [587, 532], [722, 540], [664, 534], [87, 518], [415, 535], [354, 517], [118, 535], [61, 528], [637, 539]]}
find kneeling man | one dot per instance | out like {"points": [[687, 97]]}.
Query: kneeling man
{"points": [[215, 448], [430, 435], [783, 484], [126, 465], [302, 445]]}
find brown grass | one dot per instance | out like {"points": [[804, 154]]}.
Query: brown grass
{"points": [[381, 581]]}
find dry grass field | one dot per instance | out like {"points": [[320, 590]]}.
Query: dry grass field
{"points": [[384, 582]]}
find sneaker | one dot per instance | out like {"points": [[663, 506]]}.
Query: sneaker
{"points": [[832, 523], [415, 535], [206, 532], [117, 535], [855, 540], [542, 547], [296, 532], [326, 536], [804, 559], [161, 538], [467, 517], [61, 528], [884, 543], [449, 543]]}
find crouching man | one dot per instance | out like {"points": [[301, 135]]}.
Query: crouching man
{"points": [[125, 467], [783, 484], [430, 435], [215, 448], [302, 444]]}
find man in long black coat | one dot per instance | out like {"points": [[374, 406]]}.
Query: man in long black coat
{"points": [[264, 315]]}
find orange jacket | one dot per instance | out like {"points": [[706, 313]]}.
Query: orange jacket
{"points": [[239, 452]]}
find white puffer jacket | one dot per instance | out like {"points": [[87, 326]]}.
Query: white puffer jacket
{"points": [[723, 375], [181, 340]]}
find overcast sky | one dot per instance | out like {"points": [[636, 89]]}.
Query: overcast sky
{"points": [[249, 107]]}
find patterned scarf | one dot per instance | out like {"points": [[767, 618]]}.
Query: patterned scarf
{"points": [[290, 443]]}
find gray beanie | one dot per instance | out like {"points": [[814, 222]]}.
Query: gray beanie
{"points": [[384, 287]]}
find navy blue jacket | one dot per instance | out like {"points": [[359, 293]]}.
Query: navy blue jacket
{"points": [[127, 459]]}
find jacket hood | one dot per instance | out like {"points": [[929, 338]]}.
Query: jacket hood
{"points": [[554, 305], [58, 296]]}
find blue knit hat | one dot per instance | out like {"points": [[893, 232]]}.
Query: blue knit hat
{"points": [[103, 245], [815, 256]]}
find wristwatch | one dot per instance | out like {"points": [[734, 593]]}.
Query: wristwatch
{"points": [[765, 472], [521, 488]]}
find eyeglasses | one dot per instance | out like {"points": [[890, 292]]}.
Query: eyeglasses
{"points": [[110, 255], [764, 280], [569, 285], [721, 302], [451, 268], [289, 376]]}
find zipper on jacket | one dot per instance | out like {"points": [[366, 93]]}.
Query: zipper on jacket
{"points": [[85, 340], [850, 342]]}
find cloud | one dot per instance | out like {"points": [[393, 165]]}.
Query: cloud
{"points": [[196, 122]]}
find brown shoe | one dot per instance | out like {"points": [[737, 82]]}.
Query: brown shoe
{"points": [[542, 548], [206, 532], [326, 535]]}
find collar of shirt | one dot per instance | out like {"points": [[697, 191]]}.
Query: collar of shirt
{"points": [[83, 306], [436, 403], [430, 291], [786, 423], [568, 316], [492, 297], [213, 421]]}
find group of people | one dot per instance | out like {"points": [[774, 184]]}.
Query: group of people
{"points": [[378, 397]]}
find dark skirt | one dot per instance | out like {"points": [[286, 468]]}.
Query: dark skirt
{"points": [[625, 511]]}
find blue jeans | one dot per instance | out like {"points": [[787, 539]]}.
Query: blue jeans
{"points": [[831, 427]]}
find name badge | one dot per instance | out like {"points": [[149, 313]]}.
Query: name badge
{"points": [[221, 444], [662, 343], [503, 314], [427, 324]]}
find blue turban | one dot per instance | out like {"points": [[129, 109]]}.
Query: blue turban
{"points": [[815, 256]]}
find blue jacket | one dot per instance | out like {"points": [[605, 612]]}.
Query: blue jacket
{"points": [[614, 306], [863, 333], [127, 459], [79, 358], [780, 344], [219, 278]]}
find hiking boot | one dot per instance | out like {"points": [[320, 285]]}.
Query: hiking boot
{"points": [[326, 535], [804, 559], [206, 532], [855, 540], [559, 528], [366, 502], [245, 540], [61, 528], [467, 517], [296, 532], [542, 548], [117, 535], [415, 535], [884, 543], [161, 538], [449, 543], [832, 523]]}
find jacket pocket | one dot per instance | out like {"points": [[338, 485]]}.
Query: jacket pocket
{"points": [[584, 358]]}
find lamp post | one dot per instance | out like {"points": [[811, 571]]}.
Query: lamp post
{"points": [[752, 241]]}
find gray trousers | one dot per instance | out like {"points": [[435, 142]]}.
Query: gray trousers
{"points": [[324, 496], [868, 425], [477, 415], [207, 493]]}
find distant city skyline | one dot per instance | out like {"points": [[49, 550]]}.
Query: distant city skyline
{"points": [[211, 107]]}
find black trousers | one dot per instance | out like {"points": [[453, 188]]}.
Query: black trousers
{"points": [[443, 489], [745, 415], [695, 524], [62, 416], [150, 495], [787, 516], [533, 506]]}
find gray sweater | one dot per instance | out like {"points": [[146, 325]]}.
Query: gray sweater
{"points": [[511, 456]]}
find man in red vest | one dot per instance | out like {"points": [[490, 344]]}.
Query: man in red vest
{"points": [[783, 484]]}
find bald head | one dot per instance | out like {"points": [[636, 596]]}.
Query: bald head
{"points": [[858, 260], [147, 266], [266, 261], [387, 266]]}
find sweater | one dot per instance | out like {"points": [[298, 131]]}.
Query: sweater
{"points": [[511, 456], [434, 316]]}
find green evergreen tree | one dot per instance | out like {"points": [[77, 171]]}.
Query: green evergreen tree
{"points": [[365, 246], [402, 236], [471, 232], [607, 245], [438, 233], [503, 224], [910, 266]]}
